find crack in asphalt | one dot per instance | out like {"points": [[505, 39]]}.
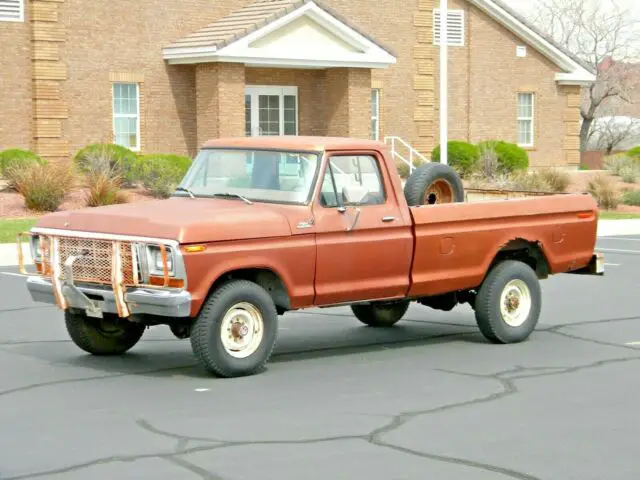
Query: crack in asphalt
{"points": [[201, 472], [508, 388]]}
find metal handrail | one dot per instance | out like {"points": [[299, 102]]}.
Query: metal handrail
{"points": [[413, 153]]}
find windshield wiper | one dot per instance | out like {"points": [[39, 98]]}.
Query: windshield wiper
{"points": [[246, 200], [182, 189]]}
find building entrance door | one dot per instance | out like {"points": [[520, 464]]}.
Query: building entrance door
{"points": [[270, 110]]}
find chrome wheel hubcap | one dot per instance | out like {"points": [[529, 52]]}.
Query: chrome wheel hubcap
{"points": [[242, 330], [515, 303]]}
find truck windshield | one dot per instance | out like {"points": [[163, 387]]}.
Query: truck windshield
{"points": [[256, 175]]}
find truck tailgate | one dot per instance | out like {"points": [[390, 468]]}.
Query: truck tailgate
{"points": [[456, 242]]}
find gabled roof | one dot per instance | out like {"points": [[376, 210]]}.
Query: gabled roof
{"points": [[240, 37], [576, 72]]}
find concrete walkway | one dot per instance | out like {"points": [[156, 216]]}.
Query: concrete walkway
{"points": [[606, 228]]}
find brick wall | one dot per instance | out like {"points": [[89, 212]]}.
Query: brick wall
{"points": [[219, 101], [485, 77], [94, 49], [15, 84]]}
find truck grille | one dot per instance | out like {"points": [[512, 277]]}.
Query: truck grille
{"points": [[96, 265]]}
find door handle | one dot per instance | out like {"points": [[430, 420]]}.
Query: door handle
{"points": [[388, 219]]}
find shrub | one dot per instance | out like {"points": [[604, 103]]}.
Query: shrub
{"points": [[403, 168], [161, 174], [121, 160], [556, 180], [14, 160], [462, 156], [616, 163], [103, 184], [511, 157], [604, 192], [629, 173], [632, 197], [533, 181], [488, 161], [43, 186], [634, 153]]}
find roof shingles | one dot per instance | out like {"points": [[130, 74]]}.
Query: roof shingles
{"points": [[250, 18]]}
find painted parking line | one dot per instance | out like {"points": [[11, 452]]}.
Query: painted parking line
{"points": [[632, 343], [11, 274], [617, 250], [611, 264]]}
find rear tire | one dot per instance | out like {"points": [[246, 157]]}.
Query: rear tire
{"points": [[110, 335], [380, 315], [433, 183], [236, 330], [508, 304]]}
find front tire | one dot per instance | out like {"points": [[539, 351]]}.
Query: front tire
{"points": [[380, 315], [508, 304], [102, 336], [236, 331]]}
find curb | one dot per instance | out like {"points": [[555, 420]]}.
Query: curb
{"points": [[606, 228]]}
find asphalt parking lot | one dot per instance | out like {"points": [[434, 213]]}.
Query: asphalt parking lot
{"points": [[427, 399]]}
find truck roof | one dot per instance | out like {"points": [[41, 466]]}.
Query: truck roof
{"points": [[300, 143]]}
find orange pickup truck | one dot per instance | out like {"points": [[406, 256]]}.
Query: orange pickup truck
{"points": [[265, 225]]}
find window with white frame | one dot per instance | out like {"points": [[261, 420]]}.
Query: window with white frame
{"points": [[126, 115], [455, 27], [11, 10], [526, 109], [375, 113]]}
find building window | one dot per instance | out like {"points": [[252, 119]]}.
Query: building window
{"points": [[11, 10], [455, 28], [525, 119], [375, 114], [126, 115]]}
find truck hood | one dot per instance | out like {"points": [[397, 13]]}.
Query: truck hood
{"points": [[186, 220]]}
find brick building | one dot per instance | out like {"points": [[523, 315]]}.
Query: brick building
{"points": [[164, 76]]}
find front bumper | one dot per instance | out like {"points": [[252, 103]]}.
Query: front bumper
{"points": [[161, 302]]}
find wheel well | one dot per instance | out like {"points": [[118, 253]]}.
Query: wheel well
{"points": [[267, 279], [524, 251]]}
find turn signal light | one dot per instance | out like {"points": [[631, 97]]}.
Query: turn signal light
{"points": [[194, 248], [173, 282]]}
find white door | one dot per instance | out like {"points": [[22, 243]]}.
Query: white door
{"points": [[271, 110]]}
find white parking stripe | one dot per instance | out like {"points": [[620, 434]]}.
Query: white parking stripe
{"points": [[11, 274], [615, 250], [611, 264]]}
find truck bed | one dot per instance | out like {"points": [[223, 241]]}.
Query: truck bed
{"points": [[456, 242]]}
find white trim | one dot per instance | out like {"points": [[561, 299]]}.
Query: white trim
{"points": [[115, 115], [531, 119], [368, 55], [20, 17], [575, 74], [376, 116]]}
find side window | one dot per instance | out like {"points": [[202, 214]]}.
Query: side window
{"points": [[352, 180]]}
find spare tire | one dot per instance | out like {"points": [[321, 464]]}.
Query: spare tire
{"points": [[433, 183]]}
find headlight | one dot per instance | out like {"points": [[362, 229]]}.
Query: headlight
{"points": [[154, 260]]}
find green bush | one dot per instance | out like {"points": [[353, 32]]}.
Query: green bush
{"points": [[616, 164], [463, 156], [511, 157], [160, 174], [632, 197], [103, 156], [15, 159], [634, 152]]}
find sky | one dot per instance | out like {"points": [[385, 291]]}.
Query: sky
{"points": [[527, 5]]}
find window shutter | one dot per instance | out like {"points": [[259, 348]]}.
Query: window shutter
{"points": [[11, 10], [455, 30]]}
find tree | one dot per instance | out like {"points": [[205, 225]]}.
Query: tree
{"points": [[601, 34], [614, 133]]}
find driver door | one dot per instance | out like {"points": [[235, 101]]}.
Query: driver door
{"points": [[364, 242]]}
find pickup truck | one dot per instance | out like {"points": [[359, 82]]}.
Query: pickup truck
{"points": [[261, 226]]}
